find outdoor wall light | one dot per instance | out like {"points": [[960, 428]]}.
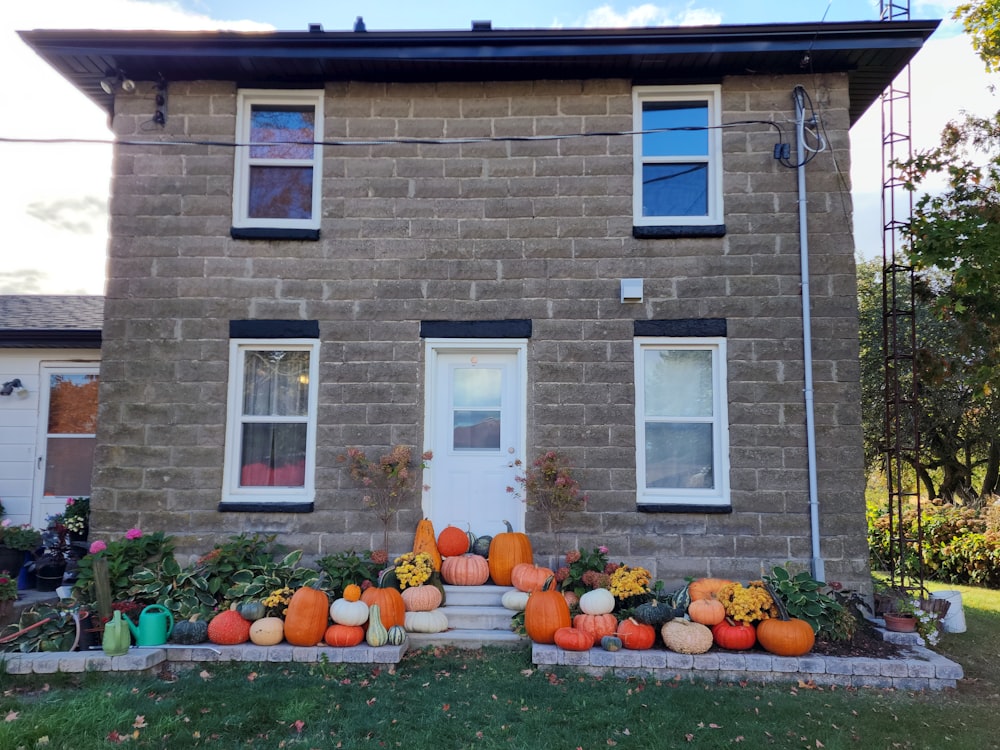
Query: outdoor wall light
{"points": [[111, 82], [14, 385]]}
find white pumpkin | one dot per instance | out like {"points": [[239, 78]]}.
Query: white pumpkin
{"points": [[267, 631], [515, 600], [344, 612], [597, 602], [434, 621]]}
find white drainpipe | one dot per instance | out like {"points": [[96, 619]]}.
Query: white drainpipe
{"points": [[818, 569]]}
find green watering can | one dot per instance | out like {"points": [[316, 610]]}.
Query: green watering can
{"points": [[155, 626], [117, 639]]}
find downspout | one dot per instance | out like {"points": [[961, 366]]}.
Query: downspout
{"points": [[818, 568]]}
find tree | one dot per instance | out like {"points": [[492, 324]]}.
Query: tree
{"points": [[982, 22]]}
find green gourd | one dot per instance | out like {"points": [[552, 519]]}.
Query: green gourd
{"points": [[252, 611], [656, 613], [611, 643], [481, 546], [188, 632], [396, 635], [377, 635]]}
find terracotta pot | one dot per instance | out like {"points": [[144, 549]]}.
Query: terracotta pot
{"points": [[900, 623]]}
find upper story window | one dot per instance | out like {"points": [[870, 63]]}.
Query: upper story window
{"points": [[682, 429], [677, 178], [279, 172]]}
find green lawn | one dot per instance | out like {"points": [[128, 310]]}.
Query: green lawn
{"points": [[497, 699]]}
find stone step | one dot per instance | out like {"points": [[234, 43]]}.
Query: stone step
{"points": [[467, 639], [477, 617], [471, 596]]}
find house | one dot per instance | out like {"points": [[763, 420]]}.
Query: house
{"points": [[488, 243], [49, 361]]}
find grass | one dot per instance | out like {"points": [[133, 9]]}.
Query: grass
{"points": [[448, 699]]}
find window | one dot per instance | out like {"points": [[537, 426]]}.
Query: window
{"points": [[279, 171], [677, 172], [271, 431], [682, 442]]}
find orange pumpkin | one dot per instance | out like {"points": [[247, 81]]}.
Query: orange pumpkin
{"points": [[453, 541], [465, 570], [705, 588], [636, 635], [423, 541], [352, 592], [508, 549], [307, 616], [707, 611], [572, 639], [229, 628], [546, 612], [422, 598], [529, 577], [784, 635], [734, 636], [344, 636], [597, 625], [571, 598], [392, 610]]}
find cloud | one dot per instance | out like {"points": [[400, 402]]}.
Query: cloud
{"points": [[22, 281], [649, 14], [85, 215]]}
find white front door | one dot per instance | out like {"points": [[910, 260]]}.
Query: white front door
{"points": [[475, 415]]}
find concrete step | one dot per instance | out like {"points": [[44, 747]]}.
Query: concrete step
{"points": [[477, 617], [467, 639], [471, 596]]}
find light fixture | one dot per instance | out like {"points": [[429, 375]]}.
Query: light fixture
{"points": [[112, 81], [14, 385]]}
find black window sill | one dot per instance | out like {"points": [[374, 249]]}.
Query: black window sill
{"points": [[264, 233], [680, 508], [265, 507], [679, 231]]}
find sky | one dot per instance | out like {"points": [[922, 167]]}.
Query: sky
{"points": [[53, 202]]}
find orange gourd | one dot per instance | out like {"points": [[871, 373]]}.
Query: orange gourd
{"points": [[392, 610], [229, 628], [706, 588], [344, 636], [597, 625], [352, 592], [636, 635], [465, 570], [508, 549], [529, 577], [453, 541], [307, 616], [546, 612], [707, 611], [572, 639], [423, 541]]}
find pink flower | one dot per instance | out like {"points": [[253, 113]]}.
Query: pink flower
{"points": [[97, 546], [602, 549], [133, 533], [5, 523]]}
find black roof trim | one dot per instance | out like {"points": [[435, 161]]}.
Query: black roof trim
{"points": [[36, 338], [871, 52]]}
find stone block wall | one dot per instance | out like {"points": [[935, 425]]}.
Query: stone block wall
{"points": [[478, 231]]}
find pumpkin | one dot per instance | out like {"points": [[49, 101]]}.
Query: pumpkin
{"points": [[228, 628], [434, 621], [705, 588], [571, 598], [346, 612], [655, 613], [707, 611], [611, 643], [636, 635], [453, 541], [267, 631], [515, 600], [188, 632], [529, 577], [423, 541], [465, 570], [508, 549], [307, 616], [597, 625], [686, 637], [396, 635], [352, 592], [376, 635], [482, 546], [545, 612], [597, 602], [734, 636], [344, 636], [784, 635], [421, 598], [390, 603], [572, 639], [252, 611]]}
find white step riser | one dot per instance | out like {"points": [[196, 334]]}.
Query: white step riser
{"points": [[469, 618], [475, 596]]}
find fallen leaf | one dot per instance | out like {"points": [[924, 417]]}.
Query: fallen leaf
{"points": [[714, 726], [12, 716], [43, 740], [205, 674], [298, 725], [689, 737], [251, 677], [140, 722], [371, 701], [445, 706], [819, 744]]}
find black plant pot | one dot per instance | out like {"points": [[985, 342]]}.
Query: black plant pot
{"points": [[11, 560], [49, 577]]}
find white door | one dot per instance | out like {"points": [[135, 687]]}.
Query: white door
{"points": [[66, 437], [475, 414]]}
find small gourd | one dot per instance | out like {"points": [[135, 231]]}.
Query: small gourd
{"points": [[252, 611], [611, 643], [377, 635], [481, 546], [435, 621], [267, 631], [597, 602], [189, 632], [352, 592], [396, 636], [515, 600]]}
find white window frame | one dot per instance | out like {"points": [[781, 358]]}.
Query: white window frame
{"points": [[245, 100], [715, 496], [712, 96], [232, 491]]}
